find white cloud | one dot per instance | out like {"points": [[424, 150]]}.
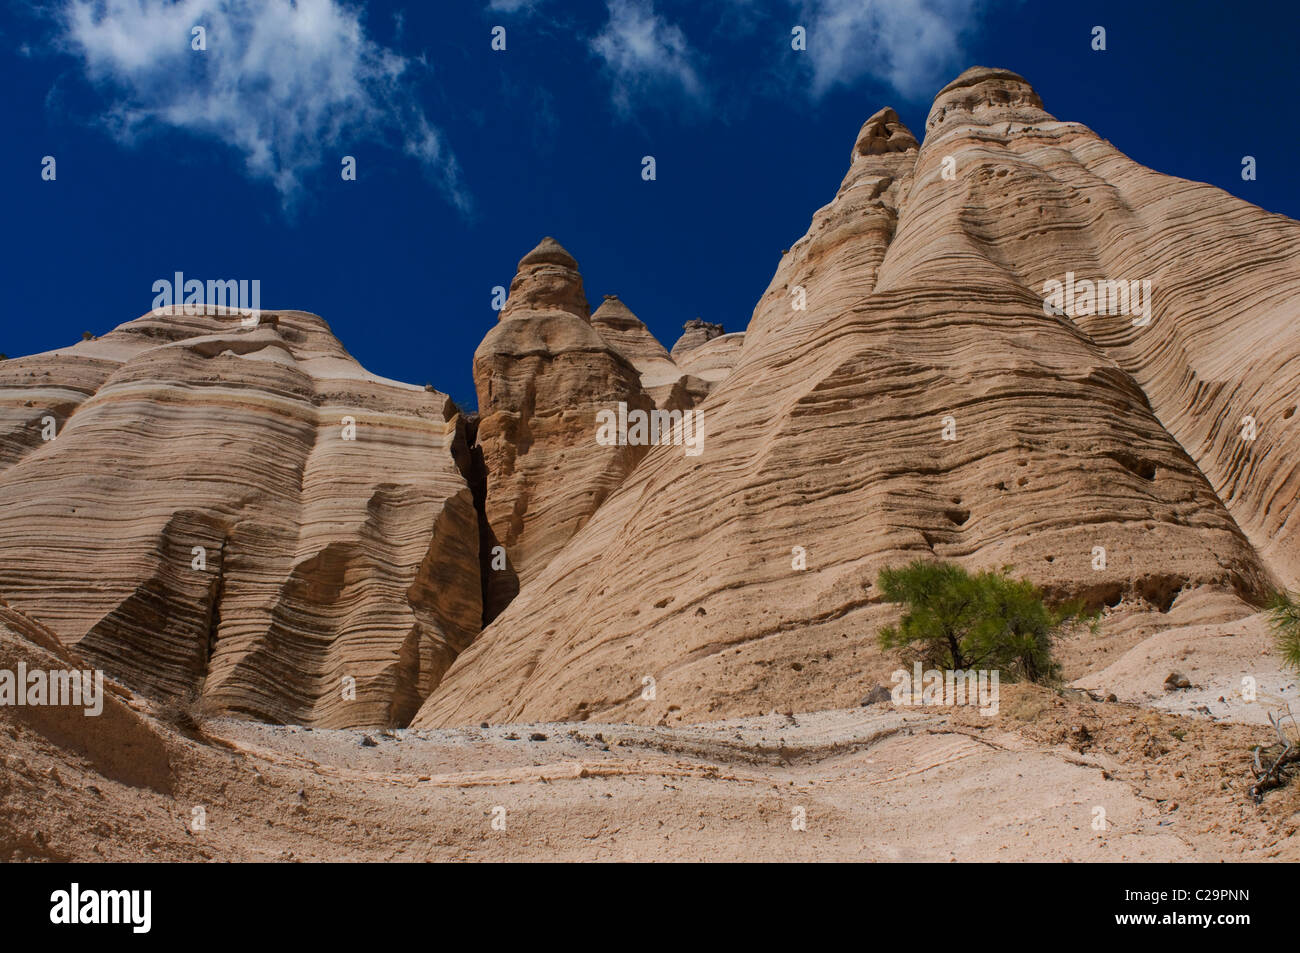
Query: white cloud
{"points": [[643, 53], [513, 6], [910, 44], [290, 85]]}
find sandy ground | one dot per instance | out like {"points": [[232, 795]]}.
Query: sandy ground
{"points": [[1055, 775], [876, 783], [1233, 667]]}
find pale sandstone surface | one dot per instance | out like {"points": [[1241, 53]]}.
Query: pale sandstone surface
{"points": [[115, 743], [678, 381], [1039, 198], [713, 360], [826, 435], [628, 335], [879, 783], [542, 374], [659, 591], [325, 557], [695, 333], [1233, 666]]}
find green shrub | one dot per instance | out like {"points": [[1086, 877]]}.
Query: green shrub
{"points": [[1284, 613], [955, 620]]}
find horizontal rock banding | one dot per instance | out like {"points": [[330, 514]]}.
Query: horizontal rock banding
{"points": [[321, 557], [827, 439]]}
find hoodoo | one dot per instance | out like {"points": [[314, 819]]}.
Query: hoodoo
{"points": [[542, 375]]}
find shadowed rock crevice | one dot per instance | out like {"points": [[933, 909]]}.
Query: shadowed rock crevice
{"points": [[161, 635], [216, 594], [498, 581]]}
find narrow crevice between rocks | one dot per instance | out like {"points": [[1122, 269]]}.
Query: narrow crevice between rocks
{"points": [[406, 699], [499, 586], [216, 592]]}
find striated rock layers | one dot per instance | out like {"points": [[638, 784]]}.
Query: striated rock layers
{"points": [[1042, 199], [695, 333], [89, 720], [902, 391], [661, 378], [1010, 346], [542, 375], [712, 360], [625, 333], [192, 503]]}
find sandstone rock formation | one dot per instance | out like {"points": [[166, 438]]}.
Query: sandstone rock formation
{"points": [[625, 332], [542, 375], [664, 381], [711, 361], [116, 742], [924, 402], [1052, 197], [695, 332], [183, 503], [192, 502]]}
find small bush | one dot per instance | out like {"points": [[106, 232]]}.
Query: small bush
{"points": [[1284, 614], [955, 620]]}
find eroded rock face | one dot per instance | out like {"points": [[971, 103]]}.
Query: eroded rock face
{"points": [[705, 355], [626, 333], [712, 361], [673, 382], [542, 375], [695, 332], [1048, 198], [182, 503], [90, 722], [242, 509], [925, 404]]}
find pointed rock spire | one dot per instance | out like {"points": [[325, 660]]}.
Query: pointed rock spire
{"points": [[549, 252], [883, 132], [614, 312], [547, 280], [628, 335], [543, 374]]}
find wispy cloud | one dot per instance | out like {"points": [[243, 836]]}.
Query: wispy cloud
{"points": [[911, 45], [644, 54], [288, 84], [513, 6]]}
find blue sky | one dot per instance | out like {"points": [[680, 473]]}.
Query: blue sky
{"points": [[225, 163]]}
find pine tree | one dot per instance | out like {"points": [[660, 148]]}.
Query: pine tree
{"points": [[1284, 613], [955, 620]]}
